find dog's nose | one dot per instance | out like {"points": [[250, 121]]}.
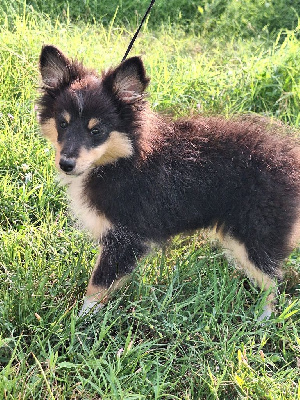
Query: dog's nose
{"points": [[67, 164]]}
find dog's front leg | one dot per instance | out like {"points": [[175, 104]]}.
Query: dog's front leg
{"points": [[119, 252]]}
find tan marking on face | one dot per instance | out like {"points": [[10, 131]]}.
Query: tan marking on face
{"points": [[49, 130], [57, 155], [116, 146], [93, 122], [102, 293], [66, 116]]}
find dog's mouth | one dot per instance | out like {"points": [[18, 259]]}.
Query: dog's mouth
{"points": [[70, 173], [74, 173], [69, 177]]}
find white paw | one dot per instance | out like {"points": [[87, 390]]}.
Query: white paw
{"points": [[90, 306], [267, 312]]}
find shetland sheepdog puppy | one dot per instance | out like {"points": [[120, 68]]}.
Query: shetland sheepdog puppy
{"points": [[135, 178]]}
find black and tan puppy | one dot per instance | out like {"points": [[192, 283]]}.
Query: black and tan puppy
{"points": [[135, 178]]}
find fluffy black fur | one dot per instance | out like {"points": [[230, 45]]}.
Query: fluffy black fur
{"points": [[214, 177], [181, 175]]}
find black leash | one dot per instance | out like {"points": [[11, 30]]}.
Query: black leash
{"points": [[138, 30]]}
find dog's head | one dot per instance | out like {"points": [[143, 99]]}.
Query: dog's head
{"points": [[90, 119]]}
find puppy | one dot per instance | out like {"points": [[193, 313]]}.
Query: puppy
{"points": [[136, 178]]}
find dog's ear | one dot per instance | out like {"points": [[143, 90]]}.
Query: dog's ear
{"points": [[56, 69], [128, 81]]}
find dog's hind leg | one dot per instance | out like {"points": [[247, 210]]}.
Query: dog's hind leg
{"points": [[119, 253], [239, 253]]}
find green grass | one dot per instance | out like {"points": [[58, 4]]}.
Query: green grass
{"points": [[186, 326], [212, 17]]}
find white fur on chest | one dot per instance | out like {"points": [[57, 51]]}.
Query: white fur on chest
{"points": [[90, 219]]}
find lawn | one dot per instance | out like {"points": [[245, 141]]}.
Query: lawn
{"points": [[186, 326]]}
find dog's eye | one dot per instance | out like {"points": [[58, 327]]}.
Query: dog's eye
{"points": [[95, 131], [63, 124]]}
